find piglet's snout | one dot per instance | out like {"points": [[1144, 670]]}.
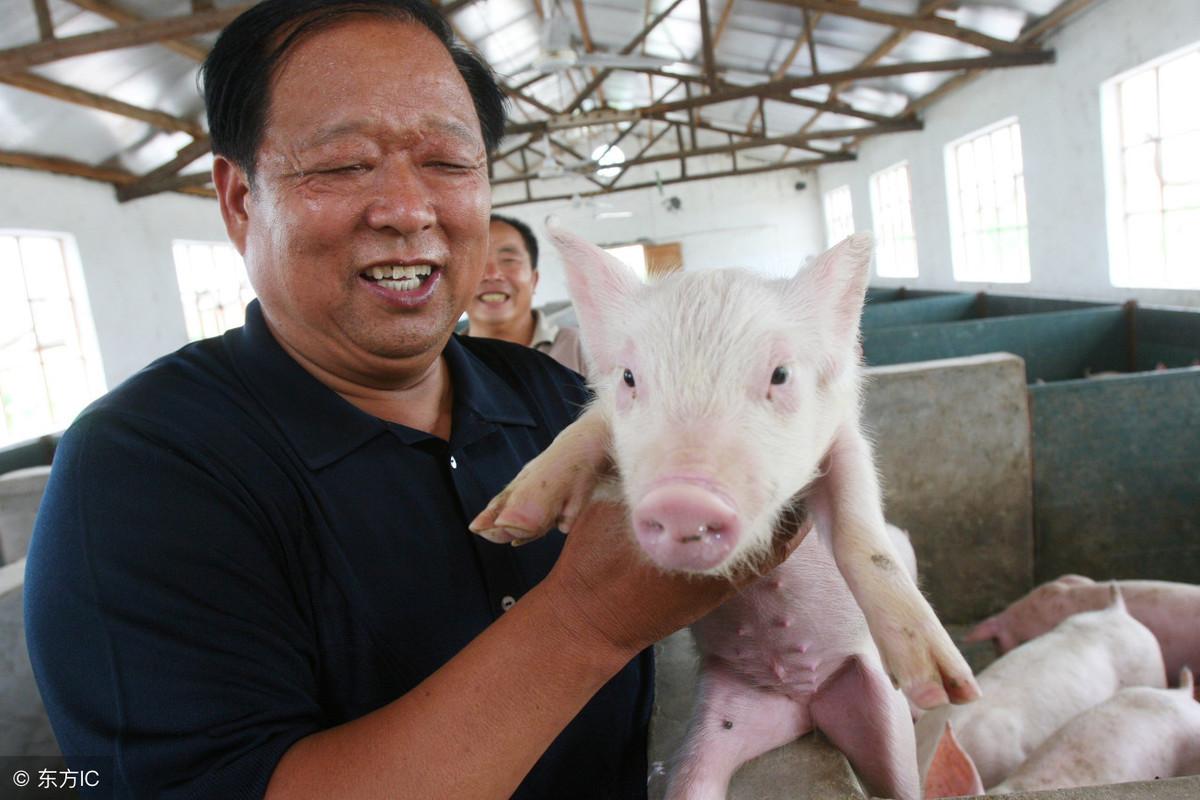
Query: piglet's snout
{"points": [[685, 527]]}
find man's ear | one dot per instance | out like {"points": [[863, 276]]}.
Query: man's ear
{"points": [[233, 191], [533, 282]]}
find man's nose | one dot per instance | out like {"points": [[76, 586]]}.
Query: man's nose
{"points": [[402, 201], [492, 271]]}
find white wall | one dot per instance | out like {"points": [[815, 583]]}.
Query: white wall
{"points": [[125, 252], [759, 222], [1058, 107]]}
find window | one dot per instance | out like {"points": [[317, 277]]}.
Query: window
{"points": [[989, 230], [49, 360], [632, 256], [891, 208], [213, 286], [839, 215], [1152, 168]]}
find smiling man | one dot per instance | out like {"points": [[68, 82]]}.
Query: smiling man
{"points": [[252, 572], [502, 305]]}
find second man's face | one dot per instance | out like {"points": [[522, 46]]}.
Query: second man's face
{"points": [[506, 292]]}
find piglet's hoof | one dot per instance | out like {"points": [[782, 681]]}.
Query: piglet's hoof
{"points": [[546, 494], [927, 667]]}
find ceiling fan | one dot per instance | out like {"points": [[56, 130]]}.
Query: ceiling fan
{"points": [[559, 51], [552, 168]]}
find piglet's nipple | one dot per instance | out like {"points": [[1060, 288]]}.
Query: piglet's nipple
{"points": [[685, 527]]}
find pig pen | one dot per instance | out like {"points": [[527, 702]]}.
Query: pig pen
{"points": [[1009, 470], [925, 308], [1116, 458]]}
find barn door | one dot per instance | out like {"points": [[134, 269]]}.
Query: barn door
{"points": [[663, 259]]}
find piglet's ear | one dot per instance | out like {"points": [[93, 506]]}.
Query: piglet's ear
{"points": [[833, 287], [952, 772], [1187, 683], [601, 288]]}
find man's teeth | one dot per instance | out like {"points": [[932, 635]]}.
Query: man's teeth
{"points": [[493, 297], [404, 279]]}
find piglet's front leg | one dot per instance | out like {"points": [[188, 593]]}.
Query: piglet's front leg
{"points": [[917, 652], [551, 489]]}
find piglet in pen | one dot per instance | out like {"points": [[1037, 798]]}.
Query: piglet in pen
{"points": [[729, 404], [1140, 734], [1031, 692], [1169, 610]]}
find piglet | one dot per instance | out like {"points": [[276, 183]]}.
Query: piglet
{"points": [[1141, 734], [1169, 610], [729, 404], [1035, 689]]}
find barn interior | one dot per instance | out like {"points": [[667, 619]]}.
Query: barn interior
{"points": [[1029, 169]]}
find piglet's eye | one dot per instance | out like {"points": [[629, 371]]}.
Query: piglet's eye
{"points": [[628, 378], [780, 376]]}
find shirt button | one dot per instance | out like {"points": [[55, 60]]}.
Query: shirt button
{"points": [[453, 463], [507, 602]]}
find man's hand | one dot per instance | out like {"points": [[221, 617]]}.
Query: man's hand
{"points": [[609, 590]]}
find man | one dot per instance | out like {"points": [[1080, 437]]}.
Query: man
{"points": [[252, 572], [502, 305]]}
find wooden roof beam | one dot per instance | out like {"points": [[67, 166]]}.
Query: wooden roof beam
{"points": [[845, 109], [653, 140], [512, 91], [176, 183], [587, 90], [782, 96], [1029, 36], [801, 164], [191, 50], [45, 23], [16, 59], [517, 94], [753, 144], [722, 23], [708, 47], [790, 140], [908, 22], [79, 169], [805, 37], [64, 166], [585, 33], [879, 71], [926, 9], [159, 119], [1035, 29], [165, 177]]}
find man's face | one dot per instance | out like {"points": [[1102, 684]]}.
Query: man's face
{"points": [[365, 230], [506, 292]]}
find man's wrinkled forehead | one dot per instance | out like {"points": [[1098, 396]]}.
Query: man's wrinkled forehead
{"points": [[355, 126], [291, 38]]}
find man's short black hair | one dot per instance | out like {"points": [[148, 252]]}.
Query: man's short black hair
{"points": [[238, 71], [526, 234]]}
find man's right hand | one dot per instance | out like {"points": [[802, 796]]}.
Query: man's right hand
{"points": [[607, 589]]}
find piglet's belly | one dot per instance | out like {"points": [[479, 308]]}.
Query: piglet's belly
{"points": [[791, 629]]}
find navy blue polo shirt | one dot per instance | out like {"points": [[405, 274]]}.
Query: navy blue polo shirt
{"points": [[230, 557]]}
